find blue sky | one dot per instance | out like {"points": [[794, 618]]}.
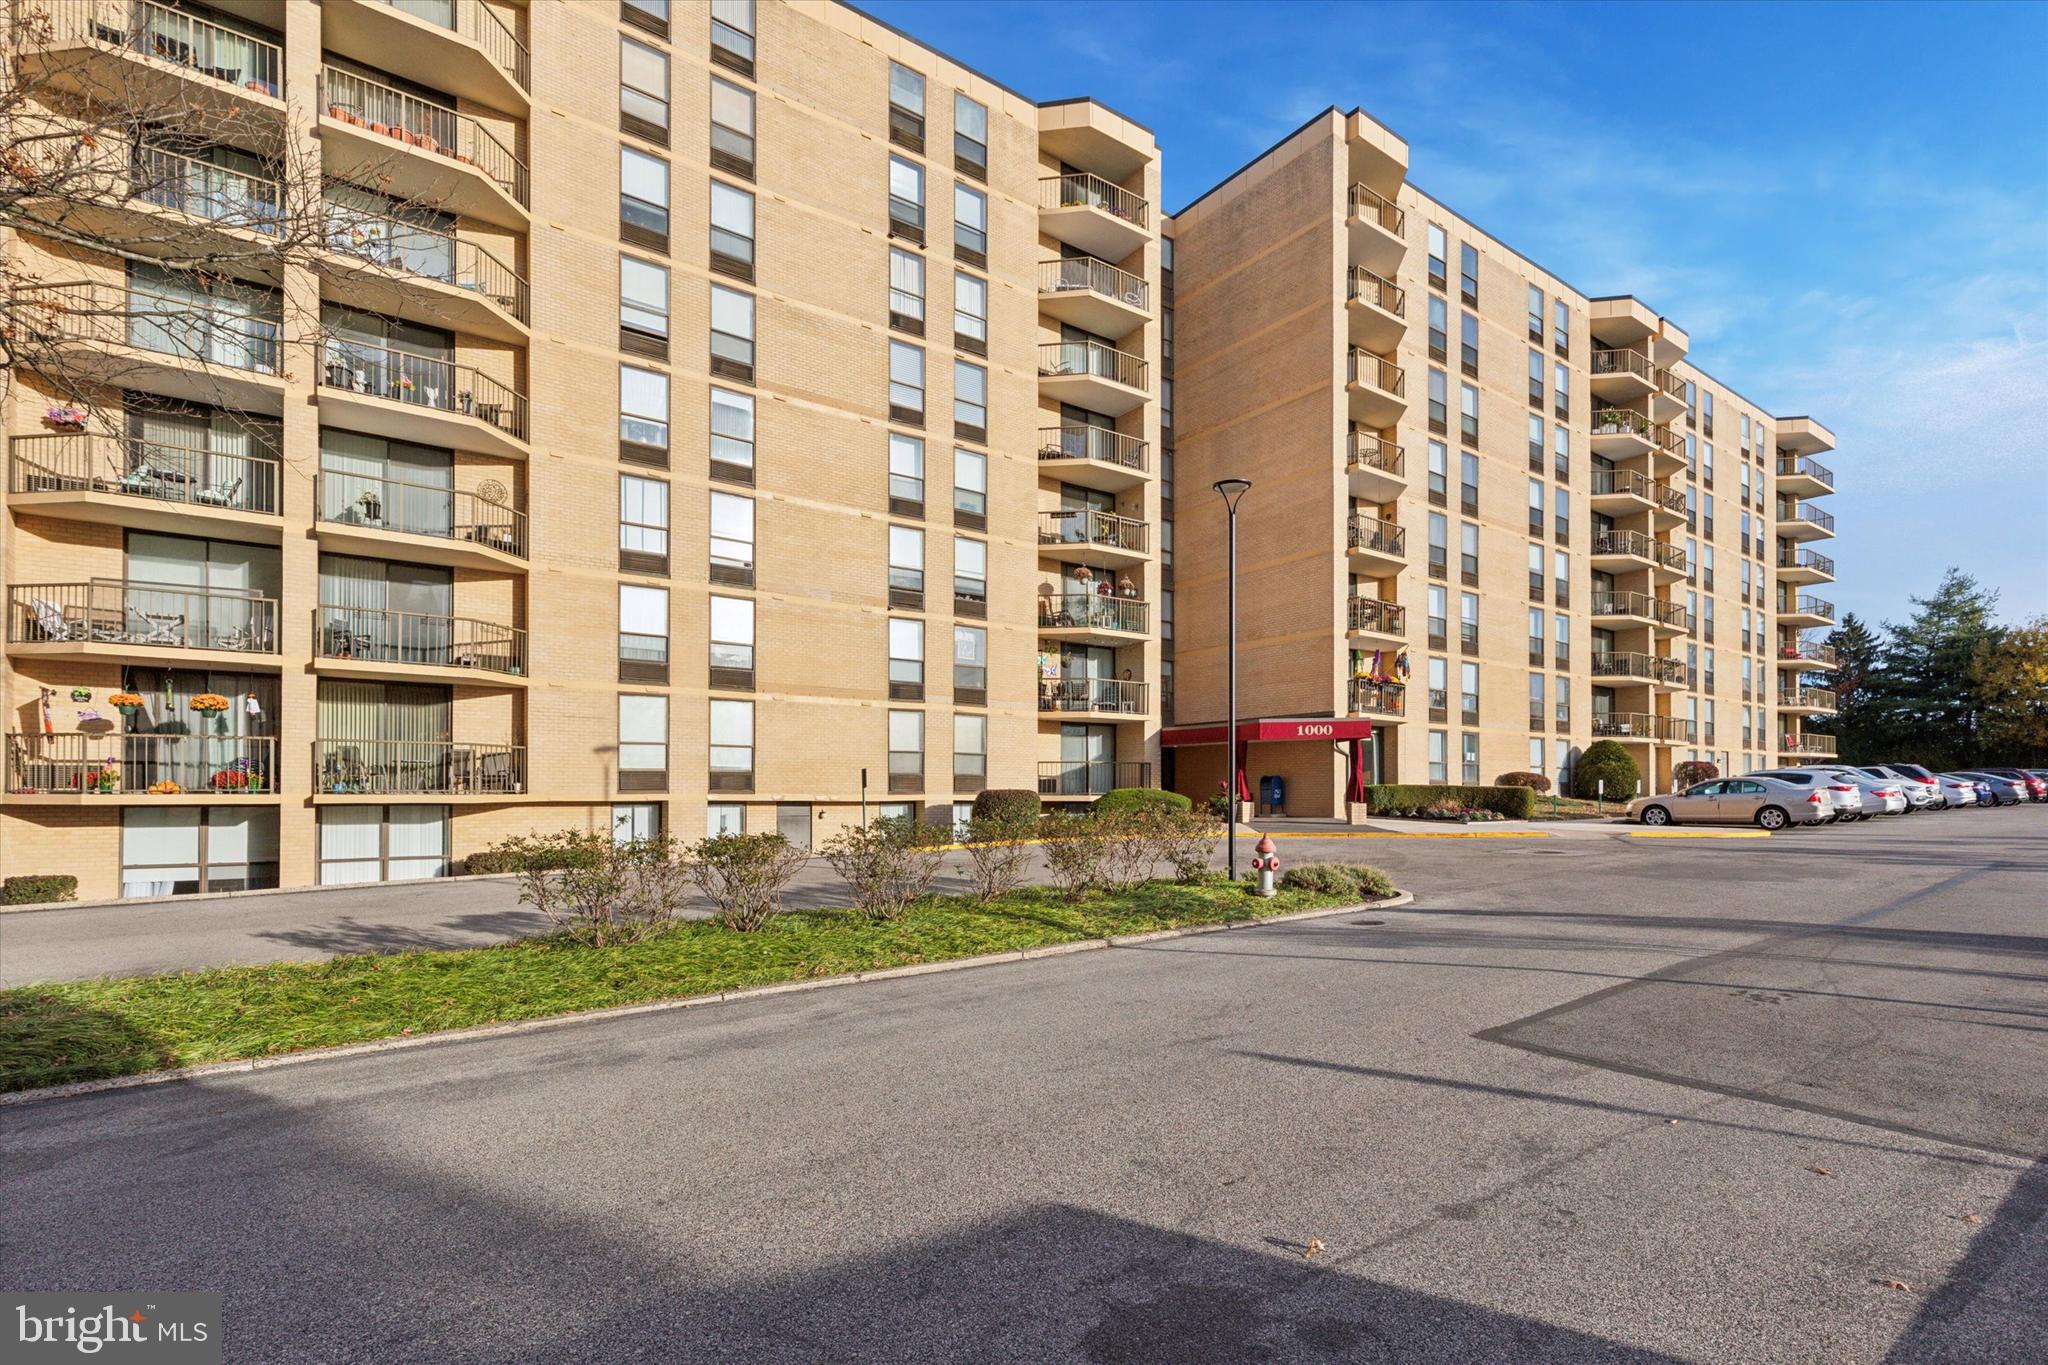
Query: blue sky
{"points": [[1846, 207]]}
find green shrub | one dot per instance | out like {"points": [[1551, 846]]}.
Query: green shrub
{"points": [[1510, 803], [888, 865], [1140, 798], [38, 888], [1338, 879], [1006, 804], [1605, 759], [1535, 782], [565, 850]]}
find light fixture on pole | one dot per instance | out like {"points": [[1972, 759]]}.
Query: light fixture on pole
{"points": [[1232, 491]]}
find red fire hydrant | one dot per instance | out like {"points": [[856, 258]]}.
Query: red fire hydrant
{"points": [[1266, 862]]}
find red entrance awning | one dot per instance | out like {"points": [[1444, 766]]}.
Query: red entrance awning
{"points": [[1265, 732]]}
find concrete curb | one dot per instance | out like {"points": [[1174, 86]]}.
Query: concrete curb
{"points": [[1698, 834], [127, 902], [553, 1021]]}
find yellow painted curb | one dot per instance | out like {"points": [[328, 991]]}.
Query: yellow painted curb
{"points": [[1406, 834], [1699, 834]]}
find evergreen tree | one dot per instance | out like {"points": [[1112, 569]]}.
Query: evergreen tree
{"points": [[2010, 678], [1858, 654], [1924, 699]]}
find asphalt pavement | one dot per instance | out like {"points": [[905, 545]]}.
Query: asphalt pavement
{"points": [[1586, 1099]]}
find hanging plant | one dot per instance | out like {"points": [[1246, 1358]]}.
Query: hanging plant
{"points": [[64, 417], [129, 702], [209, 703], [81, 694]]}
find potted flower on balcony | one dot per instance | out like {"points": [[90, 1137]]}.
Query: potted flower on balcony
{"points": [[234, 777], [65, 418], [165, 788], [209, 703], [107, 780], [129, 703]]}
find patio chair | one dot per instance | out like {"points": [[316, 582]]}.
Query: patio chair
{"points": [[494, 773], [141, 479], [148, 630], [220, 494], [50, 622]]}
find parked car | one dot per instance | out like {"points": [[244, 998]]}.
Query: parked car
{"points": [[2037, 788], [1956, 791], [2003, 791], [1881, 795], [1761, 801], [1845, 797], [1921, 793]]}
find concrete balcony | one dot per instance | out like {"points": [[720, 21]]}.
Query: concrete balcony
{"points": [[1091, 375], [1094, 295], [1093, 618], [1093, 457], [427, 400], [1374, 467], [1082, 535], [147, 486], [143, 54], [393, 519], [1642, 725], [370, 642], [1805, 746], [1626, 609], [347, 771], [1803, 610], [1622, 433], [1627, 492], [1805, 523], [1377, 548], [1797, 566], [1803, 436], [1377, 309], [1807, 654], [1372, 620], [1620, 376], [1378, 228], [1806, 700], [1106, 699], [1377, 389], [124, 620], [1387, 702], [419, 152], [160, 202], [1634, 666], [1801, 477], [1061, 780], [1086, 211], [113, 768], [1632, 551], [471, 54], [118, 337], [385, 265]]}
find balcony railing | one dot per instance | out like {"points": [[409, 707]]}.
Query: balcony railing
{"points": [[1116, 695], [138, 764], [1060, 359], [1365, 202], [1620, 422], [1641, 725], [177, 36], [1092, 611], [1367, 451], [414, 122], [100, 463], [1811, 516], [1100, 277], [1640, 546], [377, 635], [1805, 651], [382, 504], [1627, 362], [1083, 442], [1819, 697], [416, 249], [425, 381], [1806, 559], [1824, 745], [1648, 667], [1081, 190], [1641, 604], [417, 767], [1378, 291], [1798, 466], [1382, 374], [1379, 537], [1086, 526], [1058, 777], [1383, 618], [1803, 605], [1377, 698], [110, 315], [478, 22], [1638, 485], [186, 184], [118, 611]]}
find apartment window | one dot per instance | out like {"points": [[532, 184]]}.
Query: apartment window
{"points": [[1564, 642], [1439, 772], [1745, 486], [1706, 413], [1439, 536], [1561, 515], [906, 383], [1539, 713], [970, 752], [970, 225], [643, 91], [643, 634], [970, 401], [906, 567], [724, 817], [1707, 514], [1468, 620], [1536, 381], [906, 107], [970, 489], [650, 15], [732, 334], [636, 822], [732, 231], [1438, 473], [1561, 753], [1535, 507], [643, 307], [906, 475], [1536, 756], [1439, 606], [1745, 433], [1165, 614], [970, 576], [643, 199], [1707, 463], [732, 540], [1539, 637], [1437, 248], [970, 313], [1691, 403], [732, 643], [197, 849], [1468, 554], [906, 659], [1560, 573], [1468, 481], [1439, 322], [732, 35], [1536, 443], [1692, 455], [732, 129], [1561, 448], [1564, 703], [906, 200], [643, 525], [1560, 389], [1535, 573], [1468, 413], [970, 137], [1468, 343], [1560, 326], [360, 843], [732, 436], [643, 415], [732, 746], [970, 666], [1469, 770], [1468, 273], [643, 743], [1438, 411], [1535, 314]]}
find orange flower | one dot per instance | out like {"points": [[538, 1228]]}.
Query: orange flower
{"points": [[209, 701]]}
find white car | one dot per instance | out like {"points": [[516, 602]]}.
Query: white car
{"points": [[1846, 796], [1922, 793], [1881, 795]]}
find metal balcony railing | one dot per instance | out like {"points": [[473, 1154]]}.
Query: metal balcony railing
{"points": [[89, 462], [434, 129], [186, 184], [176, 36], [1372, 534], [478, 22], [1635, 725], [1119, 696], [1369, 204], [417, 767], [1811, 516], [1648, 667], [1086, 526], [1642, 605], [1062, 359], [1092, 611], [1611, 362], [1099, 277], [1380, 292], [114, 764], [1819, 697], [1806, 559], [426, 381], [1366, 368], [379, 635], [1366, 451], [1059, 777], [1799, 466], [119, 611], [1620, 422], [1377, 698], [415, 249], [381, 504], [1825, 745], [1639, 546], [110, 315], [1384, 618], [1082, 190], [1082, 442], [1638, 485], [1803, 605]]}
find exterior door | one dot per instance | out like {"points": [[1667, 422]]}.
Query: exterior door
{"points": [[793, 822], [1087, 759]]}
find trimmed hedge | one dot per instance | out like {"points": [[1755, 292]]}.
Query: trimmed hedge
{"points": [[1338, 879], [520, 855], [1122, 799], [1604, 758], [1535, 782], [1006, 803], [1513, 803], [35, 889]]}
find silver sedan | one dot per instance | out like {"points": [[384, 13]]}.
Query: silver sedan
{"points": [[1763, 801]]}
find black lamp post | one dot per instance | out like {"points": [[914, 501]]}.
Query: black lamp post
{"points": [[1233, 491]]}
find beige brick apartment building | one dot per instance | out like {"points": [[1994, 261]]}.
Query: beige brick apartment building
{"points": [[435, 421]]}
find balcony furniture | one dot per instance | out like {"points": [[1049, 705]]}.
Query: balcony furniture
{"points": [[220, 494]]}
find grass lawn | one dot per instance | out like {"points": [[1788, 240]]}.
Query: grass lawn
{"points": [[1571, 808], [119, 1026]]}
